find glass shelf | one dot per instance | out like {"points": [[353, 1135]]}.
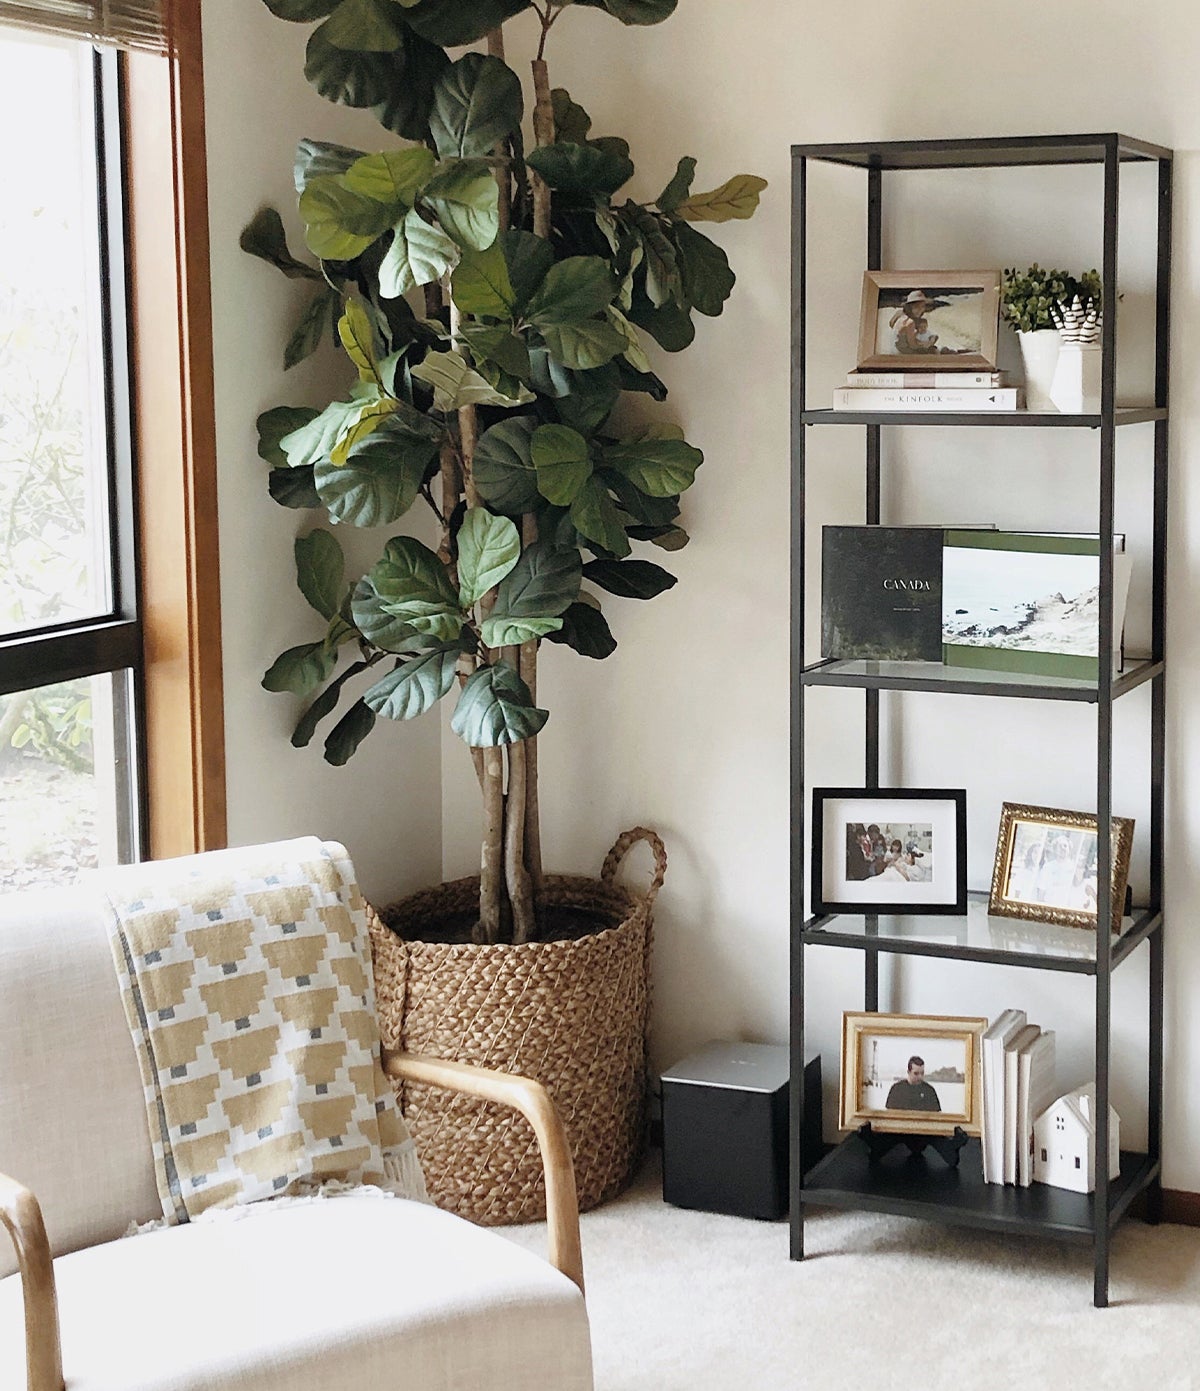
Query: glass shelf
{"points": [[978, 936], [1124, 415], [925, 1187], [935, 676], [984, 152]]}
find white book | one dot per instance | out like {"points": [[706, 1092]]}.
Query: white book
{"points": [[953, 380], [1037, 1089], [1012, 1050], [971, 398], [994, 1039]]}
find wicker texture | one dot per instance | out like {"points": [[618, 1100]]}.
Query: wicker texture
{"points": [[572, 1014]]}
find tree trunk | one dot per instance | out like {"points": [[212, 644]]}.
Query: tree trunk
{"points": [[495, 48]]}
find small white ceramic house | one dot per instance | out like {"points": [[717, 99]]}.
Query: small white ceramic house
{"points": [[1064, 1142]]}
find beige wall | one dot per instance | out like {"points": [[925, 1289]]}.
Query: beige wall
{"points": [[384, 805], [685, 728]]}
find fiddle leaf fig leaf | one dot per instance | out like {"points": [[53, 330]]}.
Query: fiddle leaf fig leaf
{"points": [[656, 467], [634, 11], [370, 416], [416, 685], [583, 346], [571, 121], [308, 333], [586, 630], [300, 669], [466, 200], [534, 595], [339, 223], [595, 516], [420, 254], [495, 708], [679, 187], [379, 627], [529, 259], [668, 538], [301, 11], [405, 105], [293, 487], [363, 26], [477, 104], [347, 77], [320, 571], [488, 548], [670, 327], [563, 464], [456, 384], [316, 438], [737, 198], [393, 178], [707, 278], [634, 353], [323, 705], [274, 424], [503, 469], [349, 732], [629, 579], [452, 24], [380, 479], [358, 339], [585, 171], [481, 285], [263, 236], [572, 291], [495, 343], [317, 158], [412, 585]]}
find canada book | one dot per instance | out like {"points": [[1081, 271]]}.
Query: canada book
{"points": [[970, 398], [881, 593], [953, 381]]}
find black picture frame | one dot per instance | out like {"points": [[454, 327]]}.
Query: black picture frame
{"points": [[945, 894]]}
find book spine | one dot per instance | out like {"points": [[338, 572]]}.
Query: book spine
{"points": [[853, 398], [928, 380]]}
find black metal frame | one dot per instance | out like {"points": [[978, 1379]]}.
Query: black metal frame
{"points": [[844, 1178], [957, 795], [112, 641]]}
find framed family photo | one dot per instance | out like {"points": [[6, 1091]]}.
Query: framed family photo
{"points": [[1046, 866], [911, 1074], [894, 850], [929, 319]]}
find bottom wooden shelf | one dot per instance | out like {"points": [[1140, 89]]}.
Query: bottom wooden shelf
{"points": [[923, 1186]]}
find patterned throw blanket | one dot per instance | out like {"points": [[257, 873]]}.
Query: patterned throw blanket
{"points": [[247, 987]]}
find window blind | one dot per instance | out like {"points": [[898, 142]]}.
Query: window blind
{"points": [[138, 24]]}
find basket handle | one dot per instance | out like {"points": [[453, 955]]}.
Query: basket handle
{"points": [[624, 842]]}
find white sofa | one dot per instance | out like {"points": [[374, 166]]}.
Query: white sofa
{"points": [[420, 1300]]}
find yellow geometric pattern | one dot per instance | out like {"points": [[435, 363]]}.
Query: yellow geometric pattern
{"points": [[249, 997]]}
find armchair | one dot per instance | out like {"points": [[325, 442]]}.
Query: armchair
{"points": [[348, 1294]]}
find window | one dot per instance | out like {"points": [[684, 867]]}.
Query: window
{"points": [[71, 675]]}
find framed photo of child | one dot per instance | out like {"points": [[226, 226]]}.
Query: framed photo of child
{"points": [[937, 320]]}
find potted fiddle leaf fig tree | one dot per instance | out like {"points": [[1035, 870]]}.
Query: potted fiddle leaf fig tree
{"points": [[491, 284]]}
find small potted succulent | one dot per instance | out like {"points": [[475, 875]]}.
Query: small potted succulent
{"points": [[1035, 303]]}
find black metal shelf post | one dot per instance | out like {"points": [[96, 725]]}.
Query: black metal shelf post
{"points": [[844, 1178]]}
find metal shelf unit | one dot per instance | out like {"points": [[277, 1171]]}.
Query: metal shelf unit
{"points": [[845, 1177]]}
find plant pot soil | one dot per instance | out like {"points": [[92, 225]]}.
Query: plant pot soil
{"points": [[570, 1010]]}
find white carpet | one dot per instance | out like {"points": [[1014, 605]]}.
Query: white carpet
{"points": [[689, 1301]]}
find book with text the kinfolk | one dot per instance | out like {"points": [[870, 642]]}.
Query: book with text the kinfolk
{"points": [[1037, 1089], [998, 1034], [1012, 1050], [955, 381], [970, 398]]}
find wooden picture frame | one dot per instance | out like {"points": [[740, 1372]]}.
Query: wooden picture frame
{"points": [[963, 339], [1043, 858], [879, 1052], [922, 866]]}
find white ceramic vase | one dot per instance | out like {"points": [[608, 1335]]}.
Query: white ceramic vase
{"points": [[1039, 353], [1075, 389]]}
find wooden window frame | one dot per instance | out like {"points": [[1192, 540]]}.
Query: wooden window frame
{"points": [[170, 315]]}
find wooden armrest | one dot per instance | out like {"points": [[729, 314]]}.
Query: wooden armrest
{"points": [[20, 1213], [534, 1103]]}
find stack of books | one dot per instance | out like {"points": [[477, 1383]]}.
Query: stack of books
{"points": [[927, 391], [1018, 1085]]}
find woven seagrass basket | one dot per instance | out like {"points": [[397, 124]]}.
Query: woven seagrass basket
{"points": [[571, 1013]]}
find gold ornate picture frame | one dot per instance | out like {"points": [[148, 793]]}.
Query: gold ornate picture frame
{"points": [[911, 1074], [1045, 868], [929, 320]]}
